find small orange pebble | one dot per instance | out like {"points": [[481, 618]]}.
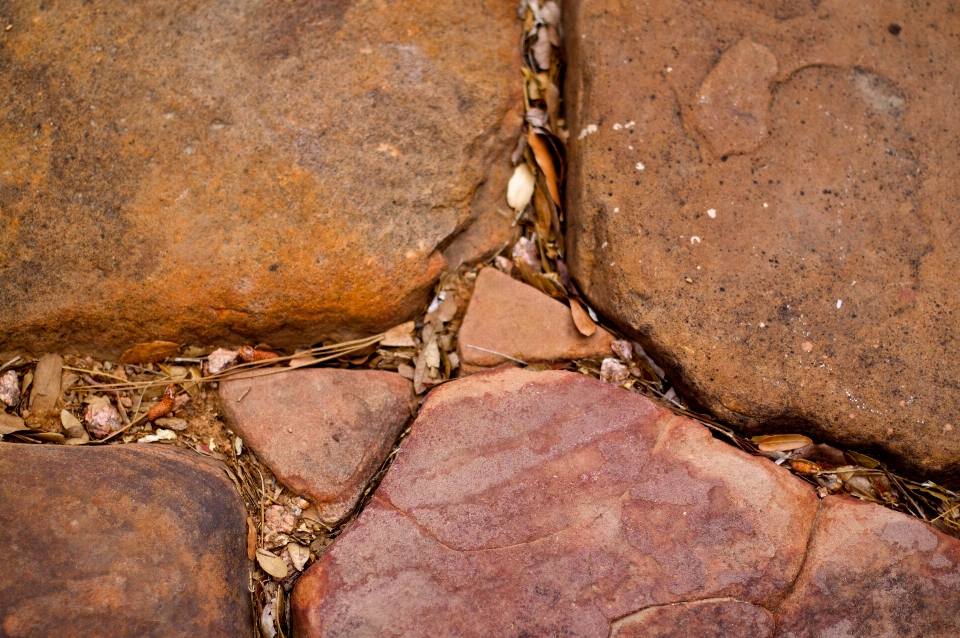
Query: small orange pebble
{"points": [[903, 404], [889, 431], [807, 346], [947, 427], [852, 415], [165, 406], [249, 354]]}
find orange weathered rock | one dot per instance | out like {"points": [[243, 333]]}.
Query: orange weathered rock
{"points": [[201, 172], [767, 206]]}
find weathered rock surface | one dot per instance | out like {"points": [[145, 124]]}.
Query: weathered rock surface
{"points": [[322, 431], [794, 161], [120, 541], [725, 618], [512, 318], [548, 504], [871, 571], [201, 172]]}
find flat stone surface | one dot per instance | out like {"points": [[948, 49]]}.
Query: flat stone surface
{"points": [[793, 161], [509, 317], [548, 504], [871, 571], [202, 172], [725, 618], [322, 431], [120, 541]]}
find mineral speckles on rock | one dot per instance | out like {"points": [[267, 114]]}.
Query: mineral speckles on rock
{"points": [[807, 150]]}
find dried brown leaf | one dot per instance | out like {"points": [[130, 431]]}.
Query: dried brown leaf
{"points": [[152, 352], [272, 564], [400, 336], [581, 319], [545, 160], [781, 442]]}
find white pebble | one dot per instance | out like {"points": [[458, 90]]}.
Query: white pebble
{"points": [[694, 240], [839, 303], [617, 127], [640, 166], [712, 213]]}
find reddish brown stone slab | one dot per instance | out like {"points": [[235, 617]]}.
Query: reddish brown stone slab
{"points": [[322, 431], [724, 618], [799, 170], [202, 172], [120, 541], [512, 318], [871, 571], [549, 504]]}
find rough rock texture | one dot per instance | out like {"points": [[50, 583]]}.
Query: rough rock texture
{"points": [[323, 432], [202, 171], [549, 504], [512, 318], [874, 572], [120, 541], [724, 618], [797, 161]]}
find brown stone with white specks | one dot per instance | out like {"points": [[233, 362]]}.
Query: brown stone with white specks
{"points": [[767, 205], [208, 172], [126, 541], [509, 317], [547, 504], [874, 572], [322, 431]]}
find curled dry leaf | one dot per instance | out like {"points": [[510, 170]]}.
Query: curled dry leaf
{"points": [[69, 421], [400, 336], [550, 12], [299, 555], [153, 352], [781, 442], [520, 187], [272, 564], [542, 49], [582, 320], [544, 157]]}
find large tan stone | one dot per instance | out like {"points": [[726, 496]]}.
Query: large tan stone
{"points": [[201, 171], [130, 541], [767, 206]]}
